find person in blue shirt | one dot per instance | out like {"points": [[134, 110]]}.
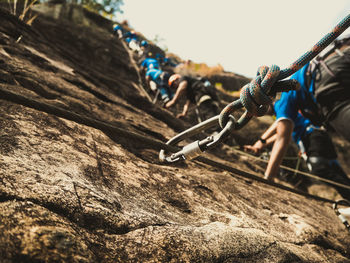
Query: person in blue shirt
{"points": [[118, 30], [144, 48], [315, 146], [159, 57], [132, 39], [324, 87], [149, 63], [168, 62], [286, 109], [160, 79], [335, 107], [144, 43], [146, 65], [130, 35]]}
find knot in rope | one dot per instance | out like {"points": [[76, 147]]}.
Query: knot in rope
{"points": [[254, 96], [257, 95]]}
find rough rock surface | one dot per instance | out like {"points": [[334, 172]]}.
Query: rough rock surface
{"points": [[70, 192]]}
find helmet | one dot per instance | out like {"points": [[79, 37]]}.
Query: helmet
{"points": [[144, 43], [173, 78]]}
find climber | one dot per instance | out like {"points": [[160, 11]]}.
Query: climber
{"points": [[167, 62], [144, 43], [132, 39], [144, 48], [286, 110], [146, 65], [157, 79], [118, 30], [197, 93], [323, 98], [315, 146], [159, 57], [149, 63]]}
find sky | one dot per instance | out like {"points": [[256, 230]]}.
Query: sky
{"points": [[239, 35]]}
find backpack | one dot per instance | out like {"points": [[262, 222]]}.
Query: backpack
{"points": [[314, 74]]}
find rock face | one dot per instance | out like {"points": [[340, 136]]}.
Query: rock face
{"points": [[71, 192]]}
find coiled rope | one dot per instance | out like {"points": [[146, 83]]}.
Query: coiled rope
{"points": [[255, 96], [152, 143]]}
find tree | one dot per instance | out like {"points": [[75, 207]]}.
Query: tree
{"points": [[109, 7]]}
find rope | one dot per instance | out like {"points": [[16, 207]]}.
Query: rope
{"points": [[317, 48], [255, 96], [153, 143], [296, 171], [259, 179]]}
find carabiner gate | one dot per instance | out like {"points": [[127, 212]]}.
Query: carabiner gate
{"points": [[196, 148], [341, 216]]}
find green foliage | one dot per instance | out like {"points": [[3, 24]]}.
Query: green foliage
{"points": [[109, 7]]}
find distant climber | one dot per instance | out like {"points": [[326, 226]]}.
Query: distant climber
{"points": [[119, 29], [159, 57], [167, 61], [157, 79], [149, 63], [132, 38], [146, 65], [197, 93], [144, 48]]}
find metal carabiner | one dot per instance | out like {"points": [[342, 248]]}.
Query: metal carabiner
{"points": [[196, 148], [342, 217], [231, 108]]}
